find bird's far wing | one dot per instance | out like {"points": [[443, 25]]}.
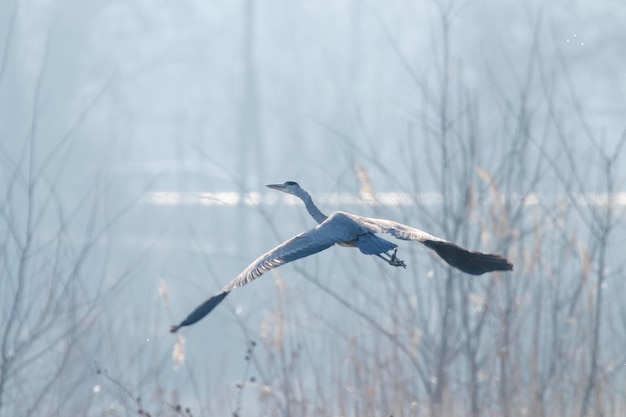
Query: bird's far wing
{"points": [[469, 261], [397, 230], [308, 243]]}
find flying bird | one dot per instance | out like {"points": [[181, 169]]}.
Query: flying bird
{"points": [[350, 230]]}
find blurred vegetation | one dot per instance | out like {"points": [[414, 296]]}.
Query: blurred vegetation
{"points": [[518, 170]]}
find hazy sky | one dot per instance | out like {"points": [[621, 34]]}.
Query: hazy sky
{"points": [[118, 97], [153, 81]]}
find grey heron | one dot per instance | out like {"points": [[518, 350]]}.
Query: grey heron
{"points": [[347, 229]]}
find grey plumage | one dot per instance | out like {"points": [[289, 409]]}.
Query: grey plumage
{"points": [[349, 230]]}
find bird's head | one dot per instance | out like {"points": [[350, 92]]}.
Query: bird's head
{"points": [[289, 187]]}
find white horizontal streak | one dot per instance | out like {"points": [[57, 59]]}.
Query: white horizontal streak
{"points": [[231, 198]]}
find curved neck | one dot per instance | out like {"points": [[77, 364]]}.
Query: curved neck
{"points": [[311, 207]]}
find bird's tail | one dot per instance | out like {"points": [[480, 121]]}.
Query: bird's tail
{"points": [[201, 311], [468, 261]]}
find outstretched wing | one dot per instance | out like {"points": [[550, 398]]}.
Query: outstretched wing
{"points": [[299, 246], [308, 243], [469, 261]]}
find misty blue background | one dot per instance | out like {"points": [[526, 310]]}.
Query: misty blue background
{"points": [[143, 97]]}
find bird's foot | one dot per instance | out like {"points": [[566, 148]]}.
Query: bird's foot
{"points": [[394, 261]]}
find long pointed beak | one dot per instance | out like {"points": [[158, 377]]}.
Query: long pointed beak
{"points": [[278, 187]]}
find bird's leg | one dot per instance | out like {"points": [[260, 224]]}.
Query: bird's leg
{"points": [[393, 259]]}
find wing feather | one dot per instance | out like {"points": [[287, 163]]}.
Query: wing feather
{"points": [[397, 230], [333, 230], [299, 246], [469, 261]]}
